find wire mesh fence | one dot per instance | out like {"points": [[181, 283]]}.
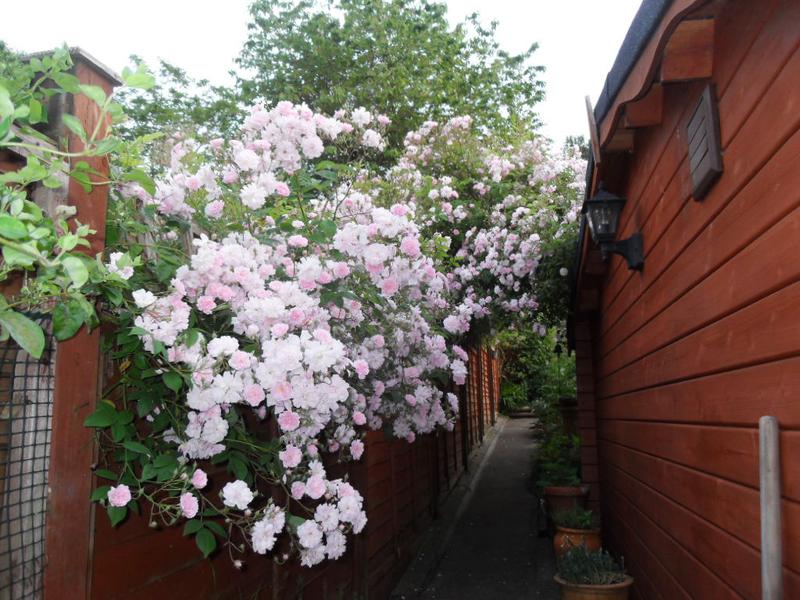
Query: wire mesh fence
{"points": [[26, 408]]}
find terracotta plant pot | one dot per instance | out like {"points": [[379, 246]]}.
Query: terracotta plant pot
{"points": [[566, 538], [564, 498], [575, 591]]}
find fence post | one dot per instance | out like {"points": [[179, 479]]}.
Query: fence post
{"points": [[480, 394], [492, 388], [69, 528], [770, 480], [463, 409]]}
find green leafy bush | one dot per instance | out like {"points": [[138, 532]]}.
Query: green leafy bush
{"points": [[576, 518], [559, 461], [47, 253], [515, 395], [585, 567]]}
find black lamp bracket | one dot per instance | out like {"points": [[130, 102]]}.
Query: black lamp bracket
{"points": [[632, 249]]}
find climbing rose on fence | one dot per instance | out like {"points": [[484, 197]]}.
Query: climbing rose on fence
{"points": [[291, 302]]}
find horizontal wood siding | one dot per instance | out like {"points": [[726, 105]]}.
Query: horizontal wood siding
{"points": [[682, 359]]}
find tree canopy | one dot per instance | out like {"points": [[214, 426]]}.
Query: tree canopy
{"points": [[394, 56]]}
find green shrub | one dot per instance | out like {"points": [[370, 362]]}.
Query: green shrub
{"points": [[585, 567], [559, 460], [515, 395], [576, 518]]}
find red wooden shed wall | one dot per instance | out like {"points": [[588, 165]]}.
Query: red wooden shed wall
{"points": [[403, 484], [682, 359]]}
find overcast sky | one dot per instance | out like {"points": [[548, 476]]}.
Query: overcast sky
{"points": [[578, 39]]}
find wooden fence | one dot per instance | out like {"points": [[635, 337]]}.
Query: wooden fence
{"points": [[404, 484]]}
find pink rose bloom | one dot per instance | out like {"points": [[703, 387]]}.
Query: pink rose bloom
{"points": [[282, 391], [389, 286], [216, 143], [298, 489], [411, 399], [378, 341], [237, 494], [206, 304], [357, 449], [290, 457], [411, 372], [199, 479], [359, 418], [315, 487], [119, 495], [361, 367], [193, 183], [411, 437], [410, 246], [307, 284], [279, 329], [223, 292], [288, 420], [254, 394], [399, 210], [214, 209], [341, 269], [325, 278], [297, 316], [230, 175], [323, 335], [189, 505], [240, 360], [297, 241], [246, 159], [282, 189]]}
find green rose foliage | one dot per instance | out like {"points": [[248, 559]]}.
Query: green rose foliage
{"points": [[44, 251]]}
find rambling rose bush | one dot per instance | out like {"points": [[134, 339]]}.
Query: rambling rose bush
{"points": [[282, 304]]}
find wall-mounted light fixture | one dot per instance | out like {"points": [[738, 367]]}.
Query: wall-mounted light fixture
{"points": [[602, 213]]}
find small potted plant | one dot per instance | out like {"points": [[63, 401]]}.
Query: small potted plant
{"points": [[585, 574], [575, 527], [557, 473], [561, 487]]}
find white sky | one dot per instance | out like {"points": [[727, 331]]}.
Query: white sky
{"points": [[578, 39]]}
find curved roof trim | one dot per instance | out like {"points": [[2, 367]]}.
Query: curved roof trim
{"points": [[644, 23]]}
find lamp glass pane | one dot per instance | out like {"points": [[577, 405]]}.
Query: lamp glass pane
{"points": [[603, 220]]}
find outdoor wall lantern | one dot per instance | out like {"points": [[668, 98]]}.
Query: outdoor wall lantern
{"points": [[602, 213]]}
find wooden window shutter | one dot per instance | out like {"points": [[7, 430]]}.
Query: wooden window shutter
{"points": [[705, 150]]}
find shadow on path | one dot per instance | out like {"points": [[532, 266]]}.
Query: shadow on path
{"points": [[490, 549]]}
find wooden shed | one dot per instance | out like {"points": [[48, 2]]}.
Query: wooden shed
{"points": [[698, 128]]}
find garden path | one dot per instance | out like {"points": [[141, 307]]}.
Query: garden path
{"points": [[490, 549]]}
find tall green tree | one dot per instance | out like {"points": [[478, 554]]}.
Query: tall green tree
{"points": [[179, 103], [400, 57]]}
